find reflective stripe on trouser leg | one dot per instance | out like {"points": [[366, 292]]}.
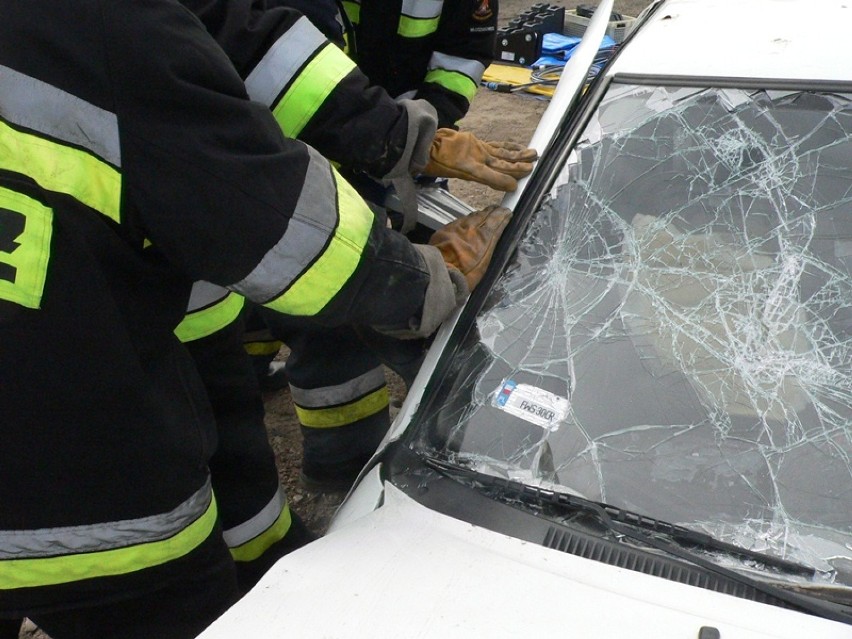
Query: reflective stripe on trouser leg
{"points": [[341, 404], [63, 555], [250, 539], [333, 363], [262, 347], [252, 504]]}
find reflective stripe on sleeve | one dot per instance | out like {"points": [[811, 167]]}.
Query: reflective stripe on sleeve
{"points": [[211, 308], [320, 249], [36, 105], [341, 404], [63, 169], [308, 92], [459, 75], [303, 69], [419, 18], [62, 142], [282, 62], [252, 538], [61, 555]]}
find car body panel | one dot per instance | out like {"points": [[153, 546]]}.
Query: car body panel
{"points": [[694, 38], [406, 571]]}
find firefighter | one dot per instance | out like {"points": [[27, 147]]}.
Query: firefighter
{"points": [[320, 96], [134, 163], [431, 49], [258, 525], [336, 377]]}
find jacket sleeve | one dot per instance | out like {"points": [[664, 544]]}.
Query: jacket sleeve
{"points": [[463, 48], [211, 183], [316, 93]]}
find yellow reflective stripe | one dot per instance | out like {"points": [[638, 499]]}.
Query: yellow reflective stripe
{"points": [[48, 571], [346, 414], [317, 286], [311, 88], [263, 348], [417, 27], [206, 321], [453, 81], [256, 547], [60, 168], [353, 11], [26, 227]]}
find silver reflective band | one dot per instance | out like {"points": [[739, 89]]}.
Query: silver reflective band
{"points": [[41, 107], [310, 229], [471, 68], [282, 62], [260, 523], [68, 540], [422, 8], [204, 294], [341, 393]]}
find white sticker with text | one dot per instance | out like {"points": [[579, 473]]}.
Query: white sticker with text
{"points": [[531, 404]]}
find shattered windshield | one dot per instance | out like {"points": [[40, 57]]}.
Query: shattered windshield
{"points": [[672, 336]]}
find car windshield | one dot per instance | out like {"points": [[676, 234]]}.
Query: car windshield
{"points": [[672, 335]]}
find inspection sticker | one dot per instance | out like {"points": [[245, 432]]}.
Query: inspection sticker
{"points": [[534, 405]]}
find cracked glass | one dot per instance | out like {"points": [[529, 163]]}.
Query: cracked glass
{"points": [[672, 335]]}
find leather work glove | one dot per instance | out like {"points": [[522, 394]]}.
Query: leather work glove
{"points": [[458, 154], [467, 243]]}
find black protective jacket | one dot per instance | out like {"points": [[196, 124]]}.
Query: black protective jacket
{"points": [[133, 163]]}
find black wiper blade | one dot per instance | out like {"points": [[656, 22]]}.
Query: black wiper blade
{"points": [[659, 535], [689, 537], [612, 516]]}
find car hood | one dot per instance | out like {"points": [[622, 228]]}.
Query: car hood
{"points": [[406, 571]]}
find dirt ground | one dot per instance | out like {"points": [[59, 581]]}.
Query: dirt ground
{"points": [[493, 116]]}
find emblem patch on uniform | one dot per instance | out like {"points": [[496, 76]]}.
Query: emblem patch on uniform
{"points": [[483, 10]]}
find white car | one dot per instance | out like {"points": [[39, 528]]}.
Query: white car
{"points": [[640, 424]]}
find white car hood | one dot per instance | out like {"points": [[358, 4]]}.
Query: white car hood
{"points": [[407, 571]]}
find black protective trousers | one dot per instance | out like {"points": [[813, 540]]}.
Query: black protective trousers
{"points": [[323, 357], [243, 469]]}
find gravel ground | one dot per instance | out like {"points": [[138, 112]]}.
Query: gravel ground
{"points": [[493, 116]]}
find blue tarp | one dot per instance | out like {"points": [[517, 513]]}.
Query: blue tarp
{"points": [[557, 48]]}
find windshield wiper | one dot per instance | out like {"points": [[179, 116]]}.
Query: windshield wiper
{"points": [[660, 535]]}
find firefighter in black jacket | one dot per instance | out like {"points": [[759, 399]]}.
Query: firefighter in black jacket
{"points": [[132, 164], [431, 49], [307, 80], [317, 94], [336, 380]]}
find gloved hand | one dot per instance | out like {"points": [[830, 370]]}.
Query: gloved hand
{"points": [[458, 154], [467, 243]]}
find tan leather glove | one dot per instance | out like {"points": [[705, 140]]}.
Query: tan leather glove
{"points": [[467, 244], [458, 154]]}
